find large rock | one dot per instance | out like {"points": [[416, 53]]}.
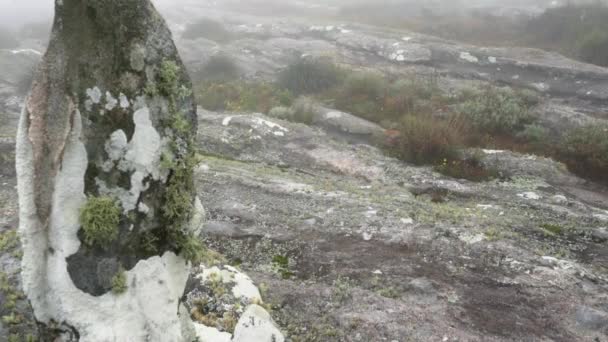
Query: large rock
{"points": [[104, 163]]}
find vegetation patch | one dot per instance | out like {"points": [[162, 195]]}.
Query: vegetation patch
{"points": [[281, 264], [424, 140], [119, 282], [585, 151], [219, 68], [497, 110], [242, 96], [100, 218], [8, 240], [310, 76], [552, 229]]}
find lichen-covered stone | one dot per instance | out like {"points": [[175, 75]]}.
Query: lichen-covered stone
{"points": [[111, 99]]}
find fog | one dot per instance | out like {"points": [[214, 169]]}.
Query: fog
{"points": [[14, 13]]}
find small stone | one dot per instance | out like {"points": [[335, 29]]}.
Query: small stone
{"points": [[559, 199], [591, 318], [600, 235], [421, 286], [530, 195]]}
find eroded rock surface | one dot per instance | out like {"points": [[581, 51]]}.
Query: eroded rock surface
{"points": [[351, 254]]}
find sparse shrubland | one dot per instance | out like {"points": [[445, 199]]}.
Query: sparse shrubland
{"points": [[578, 31], [250, 96], [431, 126]]}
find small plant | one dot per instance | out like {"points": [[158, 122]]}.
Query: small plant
{"points": [[192, 249], [424, 140], [100, 218], [8, 240], [493, 234], [308, 76], [280, 112], [281, 264], [119, 282], [552, 229], [208, 29], [342, 289]]}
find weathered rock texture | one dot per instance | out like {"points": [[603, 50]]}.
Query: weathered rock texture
{"points": [[109, 118]]}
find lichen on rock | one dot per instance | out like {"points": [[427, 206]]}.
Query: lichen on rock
{"points": [[107, 228]]}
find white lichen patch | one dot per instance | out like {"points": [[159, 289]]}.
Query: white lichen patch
{"points": [[111, 101], [256, 325], [140, 157], [492, 60], [530, 195], [146, 311], [467, 56], [333, 115], [242, 286], [209, 334], [94, 95], [124, 101]]}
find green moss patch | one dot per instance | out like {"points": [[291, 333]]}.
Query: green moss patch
{"points": [[100, 218]]}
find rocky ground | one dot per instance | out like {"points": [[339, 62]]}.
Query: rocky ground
{"points": [[349, 244]]}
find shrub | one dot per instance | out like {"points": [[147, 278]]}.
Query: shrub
{"points": [[579, 31], [7, 39], [376, 98], [280, 112], [309, 76], [219, 67], [361, 94], [242, 96], [304, 110], [425, 140], [99, 218], [593, 48], [534, 134], [585, 151], [497, 111], [209, 29]]}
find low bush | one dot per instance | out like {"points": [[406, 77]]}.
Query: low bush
{"points": [[307, 76], [220, 67], [496, 110], [425, 140], [379, 99], [303, 110], [208, 29], [585, 151], [242, 96]]}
